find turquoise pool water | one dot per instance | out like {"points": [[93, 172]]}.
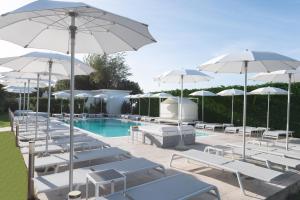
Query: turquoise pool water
{"points": [[106, 127], [201, 133]]}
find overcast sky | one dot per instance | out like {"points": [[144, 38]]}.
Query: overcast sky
{"points": [[190, 32]]}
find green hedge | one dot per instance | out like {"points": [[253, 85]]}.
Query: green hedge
{"points": [[218, 109]]}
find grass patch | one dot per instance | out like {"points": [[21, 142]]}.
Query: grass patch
{"points": [[4, 120], [13, 172]]}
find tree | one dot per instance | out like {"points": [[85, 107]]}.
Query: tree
{"points": [[111, 72]]}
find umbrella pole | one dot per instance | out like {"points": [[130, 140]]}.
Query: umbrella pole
{"points": [[268, 112], [20, 101], [24, 101], [101, 105], [49, 104], [37, 104], [202, 108], [181, 145], [61, 106], [288, 113], [139, 106], [28, 98], [232, 103], [73, 29], [245, 110], [149, 107]]}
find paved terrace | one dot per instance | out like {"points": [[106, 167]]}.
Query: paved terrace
{"points": [[226, 182]]}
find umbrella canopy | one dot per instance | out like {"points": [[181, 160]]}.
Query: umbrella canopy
{"points": [[203, 93], [249, 61], [103, 96], [269, 91], [162, 95], [38, 62], [182, 76], [61, 95], [43, 64], [83, 95], [58, 25], [231, 92], [19, 82], [14, 89], [282, 76], [19, 90]]}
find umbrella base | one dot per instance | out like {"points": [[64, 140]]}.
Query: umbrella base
{"points": [[181, 146]]}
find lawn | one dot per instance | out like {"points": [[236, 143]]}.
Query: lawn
{"points": [[13, 175], [4, 121]]}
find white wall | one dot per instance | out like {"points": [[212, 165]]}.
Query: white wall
{"points": [[169, 109]]}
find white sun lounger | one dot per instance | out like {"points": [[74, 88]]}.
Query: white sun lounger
{"points": [[176, 187], [55, 148], [234, 166], [275, 150], [276, 134], [232, 129], [60, 180], [268, 158], [214, 126], [58, 160], [59, 141]]}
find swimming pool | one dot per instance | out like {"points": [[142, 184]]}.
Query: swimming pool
{"points": [[201, 133], [106, 127]]}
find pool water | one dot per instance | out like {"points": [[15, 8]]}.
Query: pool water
{"points": [[106, 127], [201, 133]]}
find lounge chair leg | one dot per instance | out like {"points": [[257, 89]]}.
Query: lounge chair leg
{"points": [[217, 194], [268, 164], [171, 160], [240, 182]]}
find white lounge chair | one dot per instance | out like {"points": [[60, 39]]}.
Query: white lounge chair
{"points": [[60, 180], [276, 134], [58, 141], [56, 148], [232, 129], [214, 126], [179, 187], [268, 158], [275, 150], [58, 160], [234, 166]]}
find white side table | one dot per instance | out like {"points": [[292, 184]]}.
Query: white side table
{"points": [[99, 178]]}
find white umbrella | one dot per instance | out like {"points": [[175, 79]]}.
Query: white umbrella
{"points": [[56, 25], [31, 78], [182, 76], [137, 96], [101, 96], [62, 96], [45, 64], [147, 95], [203, 93], [283, 76], [247, 62], [161, 95], [83, 96], [269, 91], [232, 93], [19, 90]]}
